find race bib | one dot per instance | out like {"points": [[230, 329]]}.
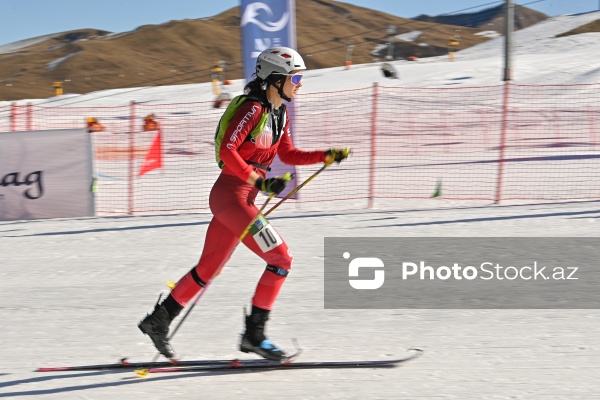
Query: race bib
{"points": [[264, 235]]}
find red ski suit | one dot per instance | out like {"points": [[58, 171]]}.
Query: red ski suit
{"points": [[232, 202]]}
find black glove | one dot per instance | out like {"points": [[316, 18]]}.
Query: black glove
{"points": [[271, 185], [336, 155]]}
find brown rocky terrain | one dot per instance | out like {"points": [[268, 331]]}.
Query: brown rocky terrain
{"points": [[185, 51]]}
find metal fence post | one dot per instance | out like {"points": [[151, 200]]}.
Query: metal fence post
{"points": [[373, 150]]}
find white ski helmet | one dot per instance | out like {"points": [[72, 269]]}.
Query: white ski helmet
{"points": [[278, 60]]}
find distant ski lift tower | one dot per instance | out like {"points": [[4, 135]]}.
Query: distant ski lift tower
{"points": [[508, 39], [391, 31], [453, 44], [349, 48]]}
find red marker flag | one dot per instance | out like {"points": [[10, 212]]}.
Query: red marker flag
{"points": [[153, 158]]}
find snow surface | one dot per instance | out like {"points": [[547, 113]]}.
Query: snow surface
{"points": [[489, 34], [52, 65], [409, 36], [74, 289], [14, 46]]}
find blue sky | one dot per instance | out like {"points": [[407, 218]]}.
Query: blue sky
{"points": [[24, 19]]}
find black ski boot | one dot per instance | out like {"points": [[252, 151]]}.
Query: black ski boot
{"points": [[156, 325], [254, 339]]}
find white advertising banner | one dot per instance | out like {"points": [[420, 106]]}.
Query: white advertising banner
{"points": [[46, 174]]}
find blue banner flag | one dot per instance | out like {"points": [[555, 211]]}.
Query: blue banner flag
{"points": [[265, 24]]}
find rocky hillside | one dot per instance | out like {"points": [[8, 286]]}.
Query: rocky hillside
{"points": [[184, 51]]}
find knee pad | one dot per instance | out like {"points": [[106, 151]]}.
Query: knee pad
{"points": [[197, 278], [277, 270]]}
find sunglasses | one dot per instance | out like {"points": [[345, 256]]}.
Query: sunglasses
{"points": [[294, 78]]}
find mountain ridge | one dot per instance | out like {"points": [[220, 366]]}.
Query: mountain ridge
{"points": [[489, 19], [185, 51]]}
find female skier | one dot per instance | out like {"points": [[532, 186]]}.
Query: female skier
{"points": [[253, 129]]}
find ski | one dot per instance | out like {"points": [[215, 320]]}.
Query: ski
{"points": [[230, 364], [124, 364], [271, 365]]}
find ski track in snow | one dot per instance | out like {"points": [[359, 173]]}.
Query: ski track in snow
{"points": [[74, 290]]}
